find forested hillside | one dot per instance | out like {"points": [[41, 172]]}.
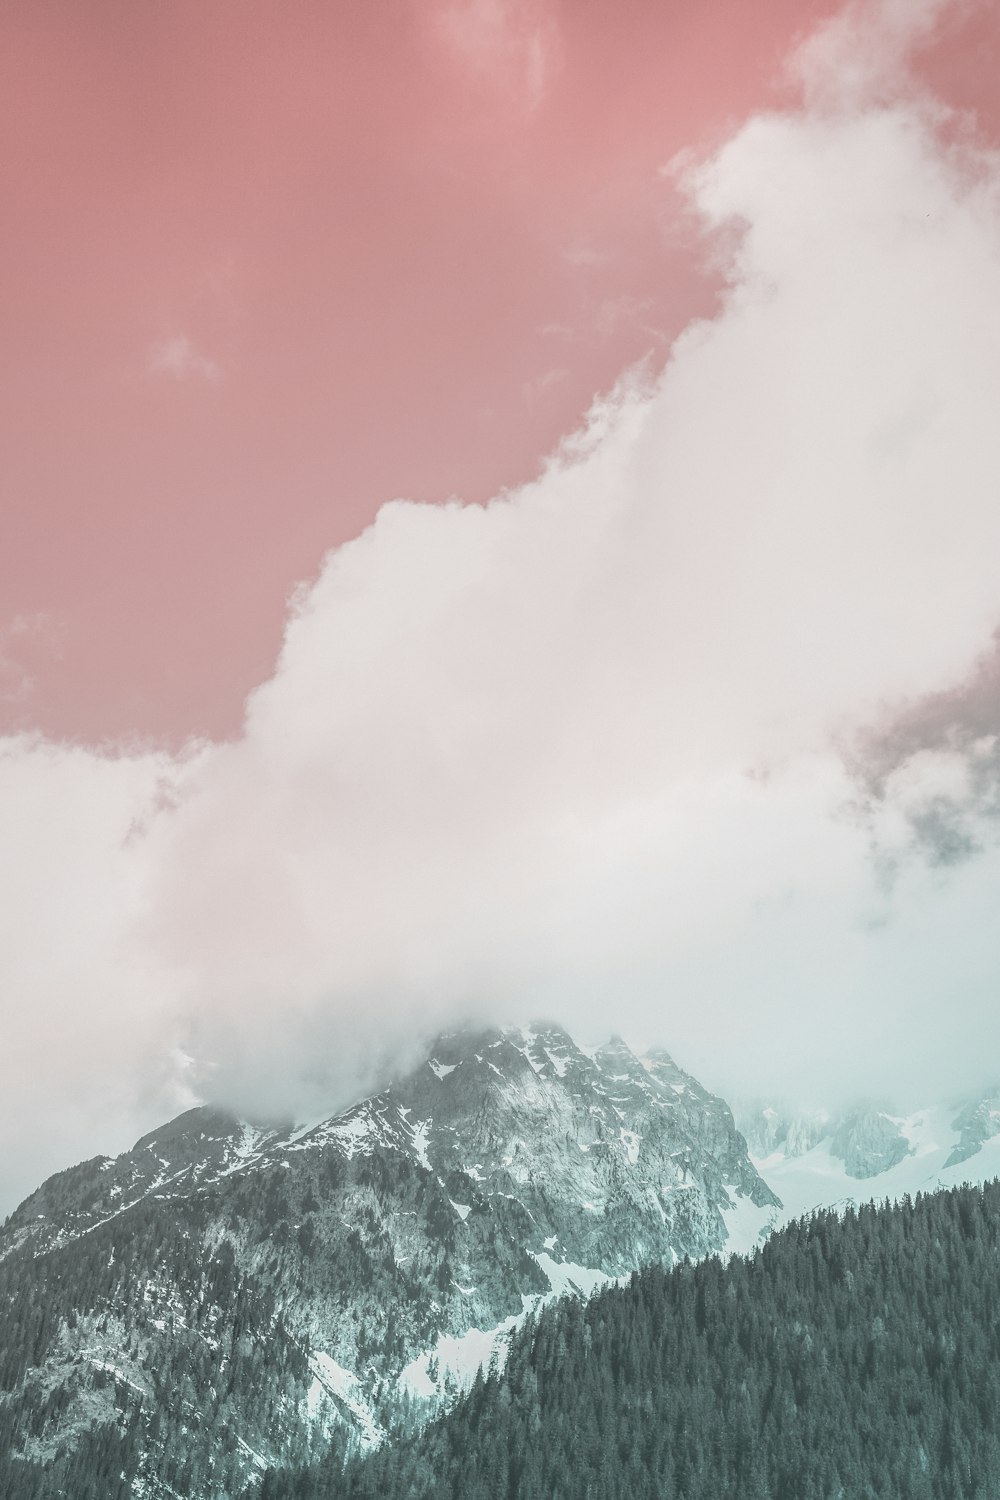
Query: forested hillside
{"points": [[854, 1357]]}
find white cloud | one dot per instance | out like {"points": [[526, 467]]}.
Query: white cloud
{"points": [[539, 386], [505, 754], [858, 58], [513, 44], [575, 751], [27, 643], [177, 357]]}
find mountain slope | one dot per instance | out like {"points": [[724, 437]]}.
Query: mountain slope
{"points": [[223, 1298]]}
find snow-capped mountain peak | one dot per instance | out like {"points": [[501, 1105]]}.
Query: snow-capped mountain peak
{"points": [[375, 1257]]}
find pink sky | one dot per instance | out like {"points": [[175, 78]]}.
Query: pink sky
{"points": [[267, 266]]}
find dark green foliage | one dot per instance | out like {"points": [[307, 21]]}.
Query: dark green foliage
{"points": [[853, 1358], [179, 1328]]}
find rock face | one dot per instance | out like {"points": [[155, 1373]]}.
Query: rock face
{"points": [[768, 1129], [977, 1123], [224, 1297], [868, 1142]]}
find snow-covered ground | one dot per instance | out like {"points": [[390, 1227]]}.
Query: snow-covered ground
{"points": [[746, 1224], [455, 1358], [452, 1364], [332, 1380]]}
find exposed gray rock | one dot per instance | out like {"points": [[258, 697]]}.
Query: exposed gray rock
{"points": [[868, 1142], [768, 1129], [978, 1122]]}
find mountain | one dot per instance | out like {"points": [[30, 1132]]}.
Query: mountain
{"points": [[226, 1298], [978, 1125]]}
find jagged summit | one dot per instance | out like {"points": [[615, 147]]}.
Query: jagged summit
{"points": [[506, 1092]]}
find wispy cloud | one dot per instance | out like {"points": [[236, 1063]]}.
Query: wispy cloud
{"points": [[928, 770], [586, 257], [541, 384], [624, 311], [27, 641], [178, 358], [514, 44], [859, 57]]}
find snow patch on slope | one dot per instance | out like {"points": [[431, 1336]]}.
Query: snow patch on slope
{"points": [[450, 1367], [455, 1359], [352, 1134], [630, 1143], [331, 1379], [568, 1279], [747, 1226], [421, 1139]]}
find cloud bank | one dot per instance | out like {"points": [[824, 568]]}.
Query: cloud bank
{"points": [[644, 745]]}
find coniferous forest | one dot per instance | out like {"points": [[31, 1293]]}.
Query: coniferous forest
{"points": [[853, 1356]]}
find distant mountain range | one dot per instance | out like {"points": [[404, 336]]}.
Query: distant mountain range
{"points": [[819, 1161], [225, 1298]]}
